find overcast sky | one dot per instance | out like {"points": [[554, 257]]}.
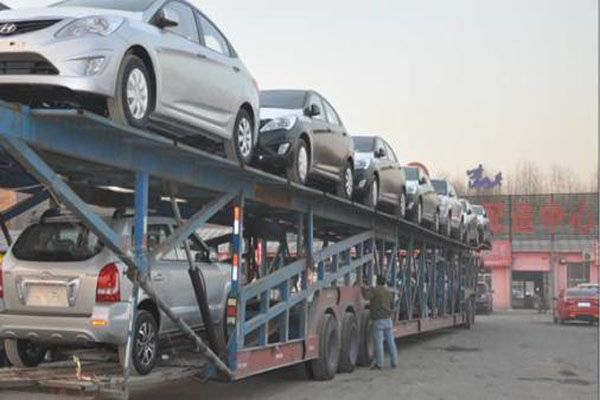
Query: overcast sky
{"points": [[452, 83]]}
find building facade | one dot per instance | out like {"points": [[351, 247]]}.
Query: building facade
{"points": [[542, 244]]}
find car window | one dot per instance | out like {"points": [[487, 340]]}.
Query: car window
{"points": [[57, 242], [331, 114], [187, 22], [157, 234], [314, 99], [212, 38]]}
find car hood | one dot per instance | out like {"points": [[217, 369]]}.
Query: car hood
{"points": [[63, 13], [272, 113]]}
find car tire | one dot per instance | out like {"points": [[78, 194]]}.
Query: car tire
{"points": [[401, 206], [325, 367], [367, 346], [436, 222], [418, 217], [299, 169], [350, 343], [345, 188], [22, 353], [241, 146], [448, 226], [135, 97], [372, 196], [145, 346]]}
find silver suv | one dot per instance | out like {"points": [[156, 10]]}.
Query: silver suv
{"points": [[60, 287], [159, 64], [450, 209]]}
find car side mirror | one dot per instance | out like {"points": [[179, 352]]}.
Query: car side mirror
{"points": [[380, 153], [312, 111], [469, 212], [166, 18], [213, 255], [422, 181]]}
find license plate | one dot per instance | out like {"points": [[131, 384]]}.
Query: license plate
{"points": [[584, 305], [47, 296]]}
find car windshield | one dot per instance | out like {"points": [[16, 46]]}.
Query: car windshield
{"points": [[286, 99], [478, 210], [412, 174], [123, 5], [441, 187], [481, 288], [3, 7], [57, 242], [364, 144], [577, 292]]}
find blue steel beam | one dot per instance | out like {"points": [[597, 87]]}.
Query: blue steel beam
{"points": [[25, 205], [194, 223]]}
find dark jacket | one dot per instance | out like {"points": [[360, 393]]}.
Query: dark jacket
{"points": [[381, 300]]}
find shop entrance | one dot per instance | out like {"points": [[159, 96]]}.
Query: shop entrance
{"points": [[527, 289]]}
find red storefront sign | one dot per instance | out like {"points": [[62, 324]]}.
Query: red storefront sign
{"points": [[500, 256]]}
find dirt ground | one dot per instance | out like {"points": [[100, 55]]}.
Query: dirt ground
{"points": [[516, 355]]}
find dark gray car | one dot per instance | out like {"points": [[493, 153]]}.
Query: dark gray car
{"points": [[380, 179], [423, 202], [302, 136]]}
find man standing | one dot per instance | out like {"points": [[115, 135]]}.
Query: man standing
{"points": [[382, 309]]}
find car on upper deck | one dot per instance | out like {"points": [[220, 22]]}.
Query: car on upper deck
{"points": [[470, 223], [158, 64], [450, 208], [483, 225], [60, 287], [380, 179], [303, 138], [423, 202]]}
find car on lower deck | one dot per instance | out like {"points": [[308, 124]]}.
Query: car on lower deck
{"points": [[423, 203], [576, 304], [159, 64], [450, 208], [62, 288], [484, 300], [380, 179], [303, 138]]}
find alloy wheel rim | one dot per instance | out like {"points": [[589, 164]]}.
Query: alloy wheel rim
{"points": [[402, 205], [437, 223], [137, 94], [245, 138], [302, 164], [349, 182], [145, 346], [419, 214]]}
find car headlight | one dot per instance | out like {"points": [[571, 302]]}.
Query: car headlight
{"points": [[362, 163], [95, 25], [282, 123]]}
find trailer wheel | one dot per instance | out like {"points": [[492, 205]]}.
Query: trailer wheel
{"points": [[24, 353], [325, 367], [350, 343], [366, 348]]}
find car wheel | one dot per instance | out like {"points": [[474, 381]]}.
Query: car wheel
{"points": [[24, 353], [145, 345], [436, 222], [135, 97], [448, 226], [298, 171], [372, 196], [346, 186], [241, 146], [401, 207], [418, 217]]}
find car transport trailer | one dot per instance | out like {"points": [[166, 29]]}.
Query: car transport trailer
{"points": [[301, 303]]}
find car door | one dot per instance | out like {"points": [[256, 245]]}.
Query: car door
{"points": [[338, 150], [182, 89], [225, 73], [320, 133], [161, 271]]}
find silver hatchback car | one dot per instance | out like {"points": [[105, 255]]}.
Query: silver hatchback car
{"points": [[159, 64], [60, 287]]}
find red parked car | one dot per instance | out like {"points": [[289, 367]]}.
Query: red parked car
{"points": [[576, 304]]}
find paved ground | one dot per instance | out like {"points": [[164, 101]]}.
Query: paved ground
{"points": [[506, 356]]}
